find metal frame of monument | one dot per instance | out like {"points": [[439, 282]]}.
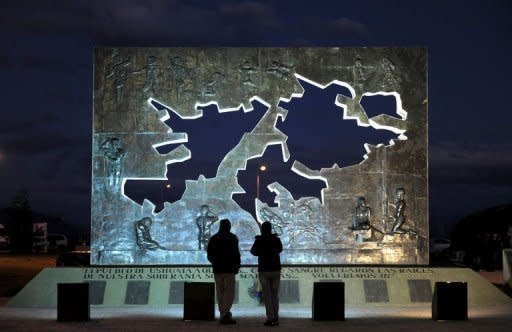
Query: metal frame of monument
{"points": [[374, 212]]}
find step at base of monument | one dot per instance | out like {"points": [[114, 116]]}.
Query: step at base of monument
{"points": [[163, 286]]}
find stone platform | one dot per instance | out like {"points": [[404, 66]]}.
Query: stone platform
{"points": [[358, 318], [163, 286]]}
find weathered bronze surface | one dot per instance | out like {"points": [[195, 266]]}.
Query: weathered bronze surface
{"points": [[135, 88]]}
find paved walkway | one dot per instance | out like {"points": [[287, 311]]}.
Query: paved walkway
{"points": [[395, 319]]}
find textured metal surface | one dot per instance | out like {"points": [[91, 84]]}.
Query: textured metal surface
{"points": [[134, 88]]}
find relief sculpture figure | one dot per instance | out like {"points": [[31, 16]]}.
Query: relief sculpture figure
{"points": [[152, 71], [113, 154], [362, 215], [304, 228], [358, 71], [390, 79], [399, 215], [205, 220], [212, 80], [117, 71], [276, 221], [143, 235], [178, 74], [246, 72]]}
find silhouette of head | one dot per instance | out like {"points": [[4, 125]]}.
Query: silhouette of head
{"points": [[266, 228], [225, 226]]}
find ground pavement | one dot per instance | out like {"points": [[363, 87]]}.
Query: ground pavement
{"points": [[358, 318]]}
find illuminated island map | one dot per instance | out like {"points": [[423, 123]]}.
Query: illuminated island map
{"points": [[373, 210]]}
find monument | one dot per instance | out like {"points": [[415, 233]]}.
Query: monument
{"points": [[371, 212]]}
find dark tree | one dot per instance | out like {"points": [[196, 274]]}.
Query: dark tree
{"points": [[19, 223]]}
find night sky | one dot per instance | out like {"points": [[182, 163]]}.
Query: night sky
{"points": [[46, 82]]}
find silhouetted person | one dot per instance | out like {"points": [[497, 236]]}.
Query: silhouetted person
{"points": [[224, 255], [267, 247]]}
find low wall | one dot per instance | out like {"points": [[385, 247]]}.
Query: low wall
{"points": [[163, 286]]}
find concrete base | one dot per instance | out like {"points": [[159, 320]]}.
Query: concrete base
{"points": [[163, 286]]}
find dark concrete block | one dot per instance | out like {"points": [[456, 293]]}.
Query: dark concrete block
{"points": [[450, 301], [199, 301], [328, 301], [96, 291], [376, 291], [420, 290], [289, 291], [73, 302], [137, 292]]}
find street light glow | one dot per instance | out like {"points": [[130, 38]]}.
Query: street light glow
{"points": [[263, 168], [168, 186]]}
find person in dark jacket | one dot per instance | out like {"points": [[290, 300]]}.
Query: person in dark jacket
{"points": [[224, 255], [267, 247]]}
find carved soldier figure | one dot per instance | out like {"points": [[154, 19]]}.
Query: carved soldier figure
{"points": [[362, 215], [117, 72], [358, 71], [212, 80], [152, 71], [143, 235], [399, 215], [246, 71], [390, 81], [205, 219], [178, 74], [113, 154]]}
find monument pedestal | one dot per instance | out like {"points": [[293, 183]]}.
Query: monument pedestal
{"points": [[164, 286]]}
